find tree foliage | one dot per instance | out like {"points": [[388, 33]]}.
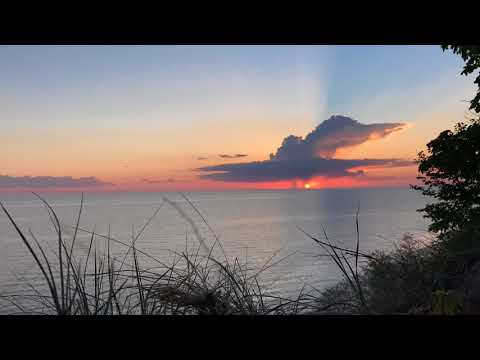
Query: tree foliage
{"points": [[451, 175], [471, 56], [450, 168]]}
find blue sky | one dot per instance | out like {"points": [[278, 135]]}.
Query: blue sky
{"points": [[170, 104], [66, 77]]}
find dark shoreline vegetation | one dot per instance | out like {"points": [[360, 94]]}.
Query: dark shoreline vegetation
{"points": [[439, 277]]}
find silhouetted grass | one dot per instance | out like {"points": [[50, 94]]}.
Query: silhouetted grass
{"points": [[100, 284], [196, 282]]}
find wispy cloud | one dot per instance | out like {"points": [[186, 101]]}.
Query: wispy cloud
{"points": [[202, 158], [7, 181], [235, 156], [162, 181]]}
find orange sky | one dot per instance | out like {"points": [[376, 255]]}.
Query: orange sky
{"points": [[133, 156], [126, 114]]}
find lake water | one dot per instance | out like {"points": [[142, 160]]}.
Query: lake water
{"points": [[250, 224]]}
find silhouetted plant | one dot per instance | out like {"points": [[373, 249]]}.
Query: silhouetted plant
{"points": [[451, 175], [101, 284], [450, 170]]}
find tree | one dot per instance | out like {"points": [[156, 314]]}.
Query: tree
{"points": [[451, 175], [450, 171], [471, 55]]}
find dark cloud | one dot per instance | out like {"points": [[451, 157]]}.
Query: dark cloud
{"points": [[49, 182], [332, 134], [299, 158], [226, 156], [202, 158], [275, 170]]}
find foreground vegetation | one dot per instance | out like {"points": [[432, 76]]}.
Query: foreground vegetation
{"points": [[415, 278], [99, 283]]}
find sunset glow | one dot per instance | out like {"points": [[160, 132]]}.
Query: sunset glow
{"points": [[174, 118]]}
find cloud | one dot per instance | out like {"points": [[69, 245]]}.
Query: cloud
{"points": [[332, 134], [276, 170], [202, 158], [49, 182], [299, 158], [169, 180], [226, 156]]}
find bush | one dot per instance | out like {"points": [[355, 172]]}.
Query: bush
{"points": [[402, 280]]}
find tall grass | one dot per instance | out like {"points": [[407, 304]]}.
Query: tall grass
{"points": [[197, 282], [352, 286], [102, 284]]}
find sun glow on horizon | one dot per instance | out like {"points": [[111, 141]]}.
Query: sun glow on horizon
{"points": [[144, 119]]}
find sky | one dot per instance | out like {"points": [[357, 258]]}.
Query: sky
{"points": [[107, 118]]}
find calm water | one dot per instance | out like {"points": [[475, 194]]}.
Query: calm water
{"points": [[250, 224]]}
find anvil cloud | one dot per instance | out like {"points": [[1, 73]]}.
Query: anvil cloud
{"points": [[299, 158]]}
